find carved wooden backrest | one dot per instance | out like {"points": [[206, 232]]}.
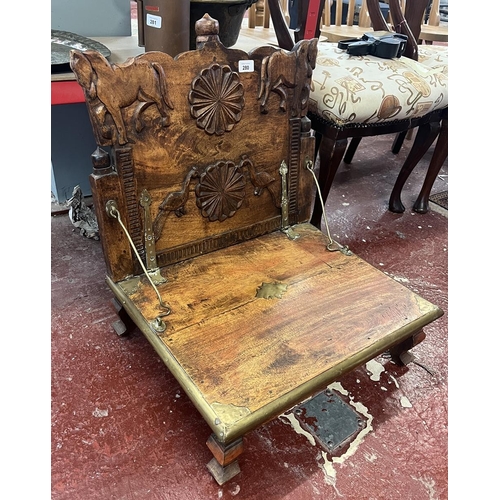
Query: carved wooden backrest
{"points": [[197, 152]]}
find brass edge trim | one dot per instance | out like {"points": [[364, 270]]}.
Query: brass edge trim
{"points": [[301, 393], [227, 433], [206, 411]]}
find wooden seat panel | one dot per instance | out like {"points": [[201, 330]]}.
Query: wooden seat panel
{"points": [[249, 358]]}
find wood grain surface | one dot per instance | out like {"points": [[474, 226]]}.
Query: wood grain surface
{"points": [[242, 353]]}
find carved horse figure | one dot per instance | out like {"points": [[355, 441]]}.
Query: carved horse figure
{"points": [[99, 80], [277, 75]]}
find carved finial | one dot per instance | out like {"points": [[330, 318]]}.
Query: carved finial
{"points": [[305, 126], [206, 28], [101, 162]]}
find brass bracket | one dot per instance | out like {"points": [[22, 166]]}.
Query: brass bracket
{"points": [[153, 270], [130, 285], [344, 249], [332, 246], [149, 240], [158, 325], [112, 211], [285, 224]]}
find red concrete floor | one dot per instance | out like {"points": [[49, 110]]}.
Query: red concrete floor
{"points": [[122, 428]]}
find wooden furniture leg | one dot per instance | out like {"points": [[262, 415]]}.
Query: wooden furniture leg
{"points": [[124, 324], [326, 175], [224, 465], [426, 135], [401, 354], [396, 145], [353, 146], [398, 142], [440, 154]]}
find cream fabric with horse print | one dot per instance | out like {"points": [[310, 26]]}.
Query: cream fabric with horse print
{"points": [[367, 89]]}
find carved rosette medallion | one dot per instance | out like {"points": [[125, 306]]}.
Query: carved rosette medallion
{"points": [[221, 191], [216, 99]]}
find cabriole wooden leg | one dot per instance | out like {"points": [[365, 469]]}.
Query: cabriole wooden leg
{"points": [[224, 465]]}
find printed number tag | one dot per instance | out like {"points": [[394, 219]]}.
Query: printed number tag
{"points": [[153, 21], [245, 66]]}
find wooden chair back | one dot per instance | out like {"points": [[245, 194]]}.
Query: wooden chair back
{"points": [[198, 144], [258, 14], [407, 21], [434, 17], [336, 29], [432, 30], [308, 22], [363, 16]]}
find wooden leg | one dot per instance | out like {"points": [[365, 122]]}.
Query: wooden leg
{"points": [[425, 137], [124, 324], [318, 136], [353, 146], [398, 142], [400, 353], [331, 153], [440, 154], [224, 465]]}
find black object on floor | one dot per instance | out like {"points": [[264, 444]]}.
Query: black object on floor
{"points": [[332, 421]]}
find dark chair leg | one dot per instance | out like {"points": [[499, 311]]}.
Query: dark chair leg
{"points": [[425, 137], [398, 142], [331, 153], [440, 154], [351, 149], [318, 136]]}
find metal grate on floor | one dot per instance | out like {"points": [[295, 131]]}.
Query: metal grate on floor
{"points": [[440, 199], [330, 420]]}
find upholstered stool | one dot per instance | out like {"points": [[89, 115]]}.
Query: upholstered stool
{"points": [[368, 89]]}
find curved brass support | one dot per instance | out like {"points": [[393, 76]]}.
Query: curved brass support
{"points": [[157, 324], [332, 245]]}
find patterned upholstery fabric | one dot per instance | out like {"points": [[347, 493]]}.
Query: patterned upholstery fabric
{"points": [[433, 56], [367, 89]]}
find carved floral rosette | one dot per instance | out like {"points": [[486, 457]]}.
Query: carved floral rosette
{"points": [[221, 191], [217, 99]]}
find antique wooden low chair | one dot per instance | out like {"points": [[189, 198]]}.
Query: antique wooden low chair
{"points": [[360, 96], [203, 208], [339, 28]]}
